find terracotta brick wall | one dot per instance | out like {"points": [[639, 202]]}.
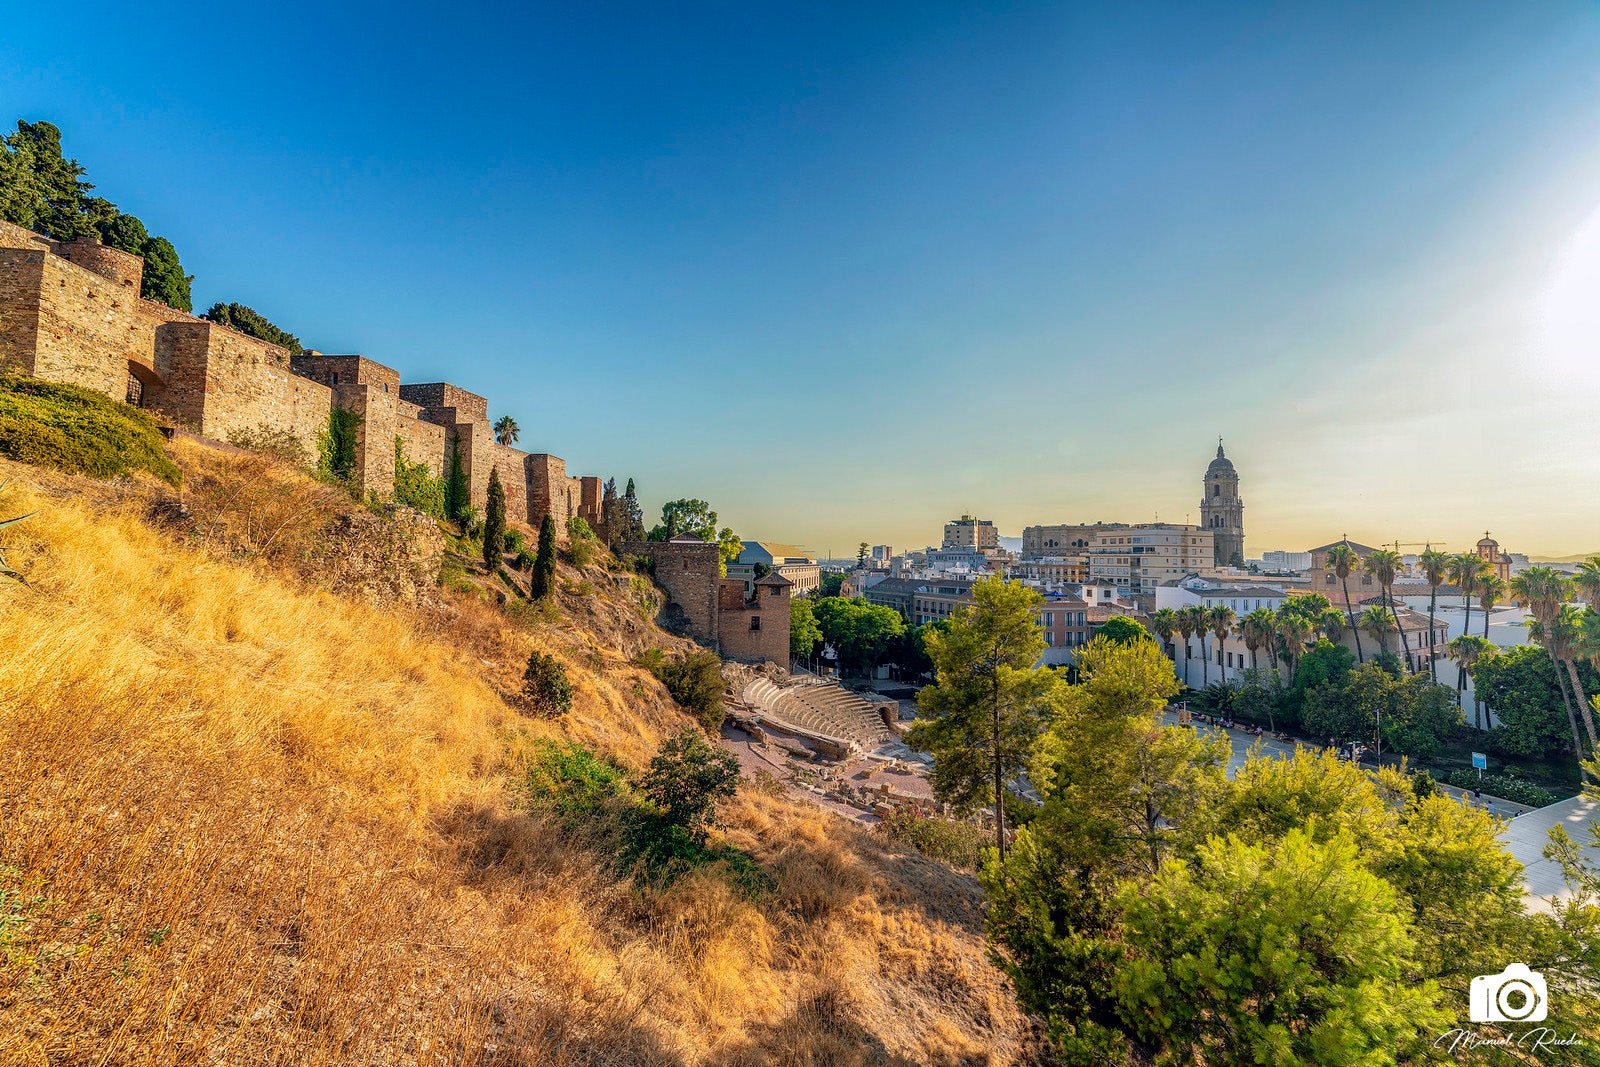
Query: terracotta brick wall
{"points": [[757, 630]]}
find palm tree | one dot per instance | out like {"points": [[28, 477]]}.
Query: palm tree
{"points": [[1383, 565], [1331, 625], [1186, 627], [1342, 559], [1221, 619], [1435, 566], [1491, 590], [1561, 638], [1165, 624], [506, 430], [1543, 592], [1376, 622], [1466, 651], [1295, 630], [1587, 582], [1466, 570], [1256, 628]]}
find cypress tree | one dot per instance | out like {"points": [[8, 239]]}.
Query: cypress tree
{"points": [[456, 494], [544, 563], [632, 516], [494, 523]]}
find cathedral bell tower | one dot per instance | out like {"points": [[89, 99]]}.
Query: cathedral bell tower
{"points": [[1222, 512]]}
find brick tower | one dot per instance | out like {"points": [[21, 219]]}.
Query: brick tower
{"points": [[1222, 512]]}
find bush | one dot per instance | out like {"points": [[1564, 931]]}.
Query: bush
{"points": [[573, 782], [524, 560], [1499, 785], [1423, 785], [959, 844], [414, 486], [545, 685], [694, 680], [514, 542], [279, 444], [78, 430], [336, 447], [686, 780]]}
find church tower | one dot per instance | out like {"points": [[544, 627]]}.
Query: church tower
{"points": [[1222, 512]]}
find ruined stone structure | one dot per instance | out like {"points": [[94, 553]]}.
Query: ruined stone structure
{"points": [[715, 610], [71, 312]]}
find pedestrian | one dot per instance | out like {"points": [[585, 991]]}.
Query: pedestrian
{"points": [[1477, 794], [1492, 812]]}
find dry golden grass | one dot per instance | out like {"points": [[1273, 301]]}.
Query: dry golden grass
{"points": [[246, 821]]}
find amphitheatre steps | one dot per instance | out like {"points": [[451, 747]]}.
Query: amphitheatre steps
{"points": [[824, 711]]}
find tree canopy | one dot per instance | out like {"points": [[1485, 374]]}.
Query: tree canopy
{"points": [[858, 631], [249, 320], [44, 191]]}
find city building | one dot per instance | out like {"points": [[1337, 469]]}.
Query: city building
{"points": [[803, 572], [968, 532], [1279, 560], [882, 554], [1049, 571], [1137, 559], [1327, 583], [1222, 512], [1489, 549], [1064, 540]]}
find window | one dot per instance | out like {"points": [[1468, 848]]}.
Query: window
{"points": [[1328, 580], [755, 622], [1049, 639]]}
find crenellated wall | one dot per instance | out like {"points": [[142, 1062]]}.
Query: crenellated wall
{"points": [[71, 312]]}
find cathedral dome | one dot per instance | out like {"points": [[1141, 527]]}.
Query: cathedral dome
{"points": [[1221, 465]]}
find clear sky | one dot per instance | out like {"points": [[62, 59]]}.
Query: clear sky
{"points": [[848, 273]]}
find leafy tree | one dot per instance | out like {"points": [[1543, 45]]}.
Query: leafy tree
{"points": [[506, 430], [804, 633], [830, 584], [1466, 651], [164, 280], [1409, 713], [988, 702], [861, 554], [1123, 630], [124, 232], [545, 684], [858, 631], [458, 494], [39, 187], [1165, 624], [1285, 952], [1383, 565], [494, 523], [695, 518], [250, 321], [1377, 624], [686, 780], [1522, 688], [542, 582], [414, 486]]}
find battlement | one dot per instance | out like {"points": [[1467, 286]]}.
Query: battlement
{"points": [[70, 311], [451, 402]]}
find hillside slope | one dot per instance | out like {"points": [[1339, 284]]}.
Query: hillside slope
{"points": [[244, 819]]}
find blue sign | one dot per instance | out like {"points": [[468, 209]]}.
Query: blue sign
{"points": [[1479, 760]]}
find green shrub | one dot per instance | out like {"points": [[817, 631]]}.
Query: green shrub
{"points": [[78, 430], [694, 680], [336, 447], [545, 684], [573, 782], [1423, 785], [524, 560], [414, 486], [514, 542], [687, 778], [959, 844], [1499, 785]]}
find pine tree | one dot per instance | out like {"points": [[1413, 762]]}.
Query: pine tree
{"points": [[544, 563], [494, 523]]}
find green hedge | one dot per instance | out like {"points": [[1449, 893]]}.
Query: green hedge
{"points": [[78, 430], [1513, 789]]}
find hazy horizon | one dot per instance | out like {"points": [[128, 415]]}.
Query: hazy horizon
{"points": [[848, 275]]}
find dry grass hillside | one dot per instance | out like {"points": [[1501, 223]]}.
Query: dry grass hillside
{"points": [[254, 814]]}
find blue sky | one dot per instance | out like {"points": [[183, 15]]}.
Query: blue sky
{"points": [[849, 273]]}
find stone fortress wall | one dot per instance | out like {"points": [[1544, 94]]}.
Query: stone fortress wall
{"points": [[71, 312]]}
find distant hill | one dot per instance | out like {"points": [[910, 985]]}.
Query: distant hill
{"points": [[1577, 557]]}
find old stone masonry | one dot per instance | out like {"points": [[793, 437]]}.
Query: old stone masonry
{"points": [[71, 312]]}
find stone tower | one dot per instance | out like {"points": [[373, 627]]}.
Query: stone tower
{"points": [[1222, 512]]}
